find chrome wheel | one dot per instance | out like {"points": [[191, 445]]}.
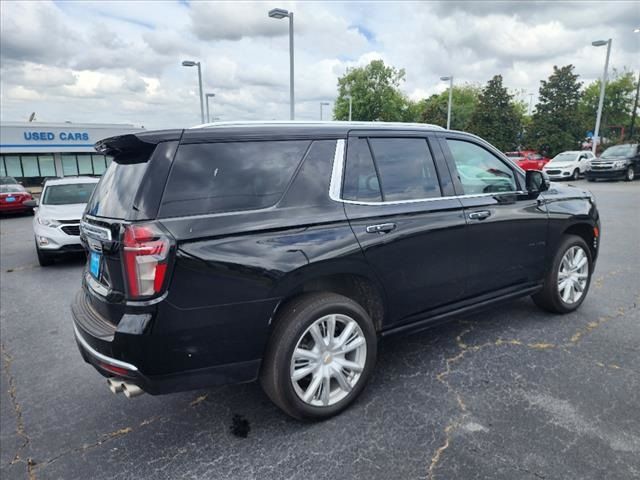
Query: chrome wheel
{"points": [[630, 174], [328, 360], [573, 275]]}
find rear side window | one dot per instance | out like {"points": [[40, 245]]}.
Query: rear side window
{"points": [[222, 177], [406, 169], [360, 179], [114, 195]]}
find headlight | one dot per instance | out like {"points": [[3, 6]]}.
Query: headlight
{"points": [[619, 164], [47, 222]]}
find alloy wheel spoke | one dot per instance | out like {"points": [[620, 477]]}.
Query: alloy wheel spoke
{"points": [[304, 354], [346, 333], [302, 372], [566, 293], [326, 389], [349, 365], [352, 345], [317, 335], [313, 387], [331, 329], [581, 263], [342, 380]]}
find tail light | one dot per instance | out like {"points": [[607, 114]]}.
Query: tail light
{"points": [[146, 254]]}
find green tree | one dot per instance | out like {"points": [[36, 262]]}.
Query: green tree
{"points": [[619, 97], [464, 100], [496, 117], [556, 126], [375, 92]]}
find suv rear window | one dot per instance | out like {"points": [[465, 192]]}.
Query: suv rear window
{"points": [[221, 177], [113, 197]]}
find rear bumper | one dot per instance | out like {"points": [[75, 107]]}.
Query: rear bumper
{"points": [[108, 350], [14, 208]]}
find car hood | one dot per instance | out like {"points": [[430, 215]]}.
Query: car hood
{"points": [[566, 191], [72, 211]]}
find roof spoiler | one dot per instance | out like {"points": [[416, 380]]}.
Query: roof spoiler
{"points": [[135, 147]]}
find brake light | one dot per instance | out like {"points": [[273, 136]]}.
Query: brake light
{"points": [[145, 256]]}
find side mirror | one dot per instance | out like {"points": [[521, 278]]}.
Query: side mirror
{"points": [[536, 181], [30, 203]]}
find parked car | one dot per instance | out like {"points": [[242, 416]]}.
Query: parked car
{"points": [[284, 251], [8, 181], [620, 162], [12, 198], [568, 165], [56, 224], [528, 159]]}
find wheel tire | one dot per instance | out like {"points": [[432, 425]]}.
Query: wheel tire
{"points": [[549, 298], [589, 179], [630, 175], [576, 175], [44, 259], [290, 326]]}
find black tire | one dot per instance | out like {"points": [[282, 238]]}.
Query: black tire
{"points": [[575, 175], [44, 259], [291, 323], [549, 298], [589, 179], [630, 174]]}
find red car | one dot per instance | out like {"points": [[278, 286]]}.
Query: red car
{"points": [[12, 198], [528, 159]]}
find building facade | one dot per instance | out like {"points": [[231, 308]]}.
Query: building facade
{"points": [[34, 151]]}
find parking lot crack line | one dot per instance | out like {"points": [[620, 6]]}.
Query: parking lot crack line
{"points": [[17, 408]]}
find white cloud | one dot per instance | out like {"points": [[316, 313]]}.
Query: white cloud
{"points": [[121, 61]]}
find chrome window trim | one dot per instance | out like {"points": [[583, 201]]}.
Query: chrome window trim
{"points": [[337, 173], [100, 356]]}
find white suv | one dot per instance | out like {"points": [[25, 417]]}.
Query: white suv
{"points": [[56, 223], [568, 165]]}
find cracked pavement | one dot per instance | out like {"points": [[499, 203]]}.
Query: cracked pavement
{"points": [[511, 392]]}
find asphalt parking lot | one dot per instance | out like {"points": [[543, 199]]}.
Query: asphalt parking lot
{"points": [[509, 393]]}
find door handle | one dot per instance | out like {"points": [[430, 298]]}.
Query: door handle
{"points": [[481, 215], [381, 228]]}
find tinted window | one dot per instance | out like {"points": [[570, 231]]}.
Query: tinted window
{"points": [[311, 185], [113, 197], [406, 168], [222, 177], [480, 171], [360, 179], [67, 194]]}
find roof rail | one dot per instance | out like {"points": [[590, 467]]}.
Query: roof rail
{"points": [[317, 123]]}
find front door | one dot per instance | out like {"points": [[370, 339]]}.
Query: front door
{"points": [[506, 227]]}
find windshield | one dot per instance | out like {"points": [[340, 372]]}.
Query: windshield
{"points": [[11, 188], [563, 157], [8, 181], [619, 151], [67, 194]]}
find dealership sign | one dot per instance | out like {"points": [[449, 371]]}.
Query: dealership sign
{"points": [[34, 136]]}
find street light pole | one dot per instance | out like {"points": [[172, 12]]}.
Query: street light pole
{"points": [[208, 96], [530, 104], [321, 105], [350, 98], [635, 104], [444, 79], [280, 13], [191, 63], [596, 133]]}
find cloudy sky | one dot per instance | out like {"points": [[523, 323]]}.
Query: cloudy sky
{"points": [[119, 61]]}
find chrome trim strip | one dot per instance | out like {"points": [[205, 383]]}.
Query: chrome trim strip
{"points": [[93, 231], [146, 303], [100, 356], [337, 172], [335, 185]]}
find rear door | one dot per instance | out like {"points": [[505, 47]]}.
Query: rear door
{"points": [[507, 228], [397, 197]]}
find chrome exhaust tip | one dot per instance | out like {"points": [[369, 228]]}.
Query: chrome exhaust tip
{"points": [[131, 390], [117, 385]]}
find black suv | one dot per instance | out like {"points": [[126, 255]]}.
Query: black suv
{"points": [[284, 251], [620, 162]]}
